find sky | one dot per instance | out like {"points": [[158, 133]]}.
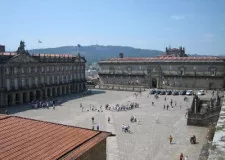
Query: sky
{"points": [[198, 25]]}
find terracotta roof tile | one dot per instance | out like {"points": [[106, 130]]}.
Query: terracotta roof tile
{"points": [[23, 138], [162, 58]]}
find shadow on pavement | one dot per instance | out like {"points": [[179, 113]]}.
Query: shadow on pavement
{"points": [[62, 99]]}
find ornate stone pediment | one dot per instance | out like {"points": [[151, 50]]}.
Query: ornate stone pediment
{"points": [[22, 58]]}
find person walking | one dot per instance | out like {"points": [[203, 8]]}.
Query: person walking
{"points": [[181, 156], [171, 139], [108, 119], [97, 127], [93, 119]]}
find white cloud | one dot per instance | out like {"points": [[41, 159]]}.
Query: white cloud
{"points": [[177, 17]]}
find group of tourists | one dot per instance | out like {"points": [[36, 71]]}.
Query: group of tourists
{"points": [[44, 104], [122, 107], [91, 108], [126, 129]]}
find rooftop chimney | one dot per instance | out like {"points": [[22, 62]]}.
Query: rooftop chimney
{"points": [[121, 55]]}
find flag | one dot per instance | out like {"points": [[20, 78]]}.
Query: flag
{"points": [[39, 41], [78, 45]]}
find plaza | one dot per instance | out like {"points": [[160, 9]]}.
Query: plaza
{"points": [[148, 140]]}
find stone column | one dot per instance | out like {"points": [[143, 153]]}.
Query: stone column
{"points": [[13, 99], [21, 98]]}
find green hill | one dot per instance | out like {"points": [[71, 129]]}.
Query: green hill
{"points": [[95, 53]]}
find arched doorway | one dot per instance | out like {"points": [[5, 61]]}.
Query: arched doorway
{"points": [[17, 98], [54, 92], [10, 99], [31, 96], [58, 91], [48, 93], [38, 95], [154, 83], [24, 97]]}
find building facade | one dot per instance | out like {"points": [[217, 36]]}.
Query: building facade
{"points": [[25, 78], [172, 70]]}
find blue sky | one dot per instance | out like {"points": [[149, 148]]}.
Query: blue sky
{"points": [[198, 25]]}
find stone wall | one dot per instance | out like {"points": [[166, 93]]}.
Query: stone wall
{"points": [[98, 152], [217, 151], [197, 75]]}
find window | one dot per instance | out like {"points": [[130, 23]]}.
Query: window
{"points": [[8, 84], [53, 79], [22, 70], [182, 71], [29, 69], [47, 79], [7, 70], [23, 82], [212, 71], [16, 83], [42, 69], [42, 80], [30, 81], [15, 70], [35, 69], [36, 81], [47, 68]]}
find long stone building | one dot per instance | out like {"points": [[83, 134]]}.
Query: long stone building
{"points": [[25, 78], [172, 70]]}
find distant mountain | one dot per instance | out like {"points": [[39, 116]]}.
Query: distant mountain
{"points": [[95, 53]]}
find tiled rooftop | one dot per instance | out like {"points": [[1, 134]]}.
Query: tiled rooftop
{"points": [[53, 55], [23, 138], [162, 58]]}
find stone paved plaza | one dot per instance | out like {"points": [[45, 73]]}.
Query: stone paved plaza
{"points": [[148, 140]]}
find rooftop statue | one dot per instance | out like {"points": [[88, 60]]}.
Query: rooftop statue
{"points": [[21, 48]]}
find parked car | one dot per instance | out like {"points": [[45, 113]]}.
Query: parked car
{"points": [[189, 92], [152, 91], [201, 92], [158, 92], [163, 92], [183, 92], [168, 92], [175, 92]]}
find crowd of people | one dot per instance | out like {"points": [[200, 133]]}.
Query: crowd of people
{"points": [[126, 107], [44, 103]]}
